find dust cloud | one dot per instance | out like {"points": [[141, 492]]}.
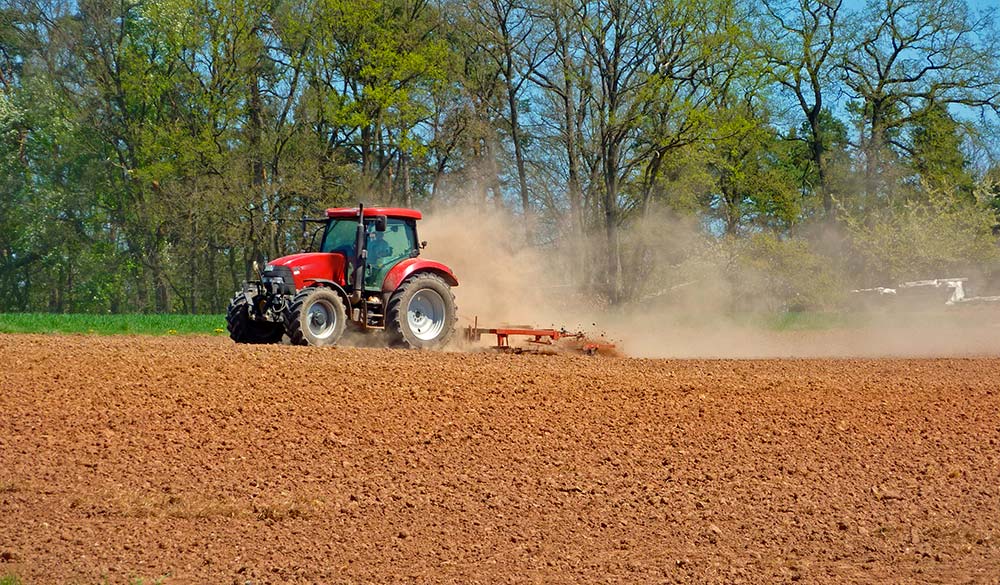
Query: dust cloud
{"points": [[693, 282], [501, 280]]}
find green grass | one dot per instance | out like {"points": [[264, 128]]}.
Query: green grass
{"points": [[9, 580], [113, 324], [807, 321]]}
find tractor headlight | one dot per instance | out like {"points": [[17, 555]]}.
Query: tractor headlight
{"points": [[276, 279]]}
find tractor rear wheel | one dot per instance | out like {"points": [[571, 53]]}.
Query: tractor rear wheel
{"points": [[316, 316], [421, 313], [243, 329]]}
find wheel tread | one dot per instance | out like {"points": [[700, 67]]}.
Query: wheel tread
{"points": [[242, 329], [394, 319], [293, 317], [293, 325]]}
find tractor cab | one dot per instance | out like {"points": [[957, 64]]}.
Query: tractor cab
{"points": [[388, 241]]}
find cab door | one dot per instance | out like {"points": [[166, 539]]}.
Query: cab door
{"points": [[386, 249]]}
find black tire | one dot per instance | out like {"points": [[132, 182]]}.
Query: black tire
{"points": [[316, 316], [421, 313], [243, 329]]}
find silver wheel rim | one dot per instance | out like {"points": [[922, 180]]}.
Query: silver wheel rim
{"points": [[321, 319], [426, 315]]}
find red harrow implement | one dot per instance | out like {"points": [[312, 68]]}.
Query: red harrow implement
{"points": [[544, 341]]}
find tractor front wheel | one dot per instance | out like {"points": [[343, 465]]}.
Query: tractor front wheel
{"points": [[421, 313], [243, 329], [316, 316]]}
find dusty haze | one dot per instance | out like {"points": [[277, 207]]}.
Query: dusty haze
{"points": [[504, 282]]}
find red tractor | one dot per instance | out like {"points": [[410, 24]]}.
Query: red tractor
{"points": [[367, 273]]}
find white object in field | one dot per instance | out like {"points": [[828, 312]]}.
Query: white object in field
{"points": [[879, 289], [995, 299], [955, 284]]}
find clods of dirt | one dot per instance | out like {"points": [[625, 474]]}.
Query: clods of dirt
{"points": [[194, 460]]}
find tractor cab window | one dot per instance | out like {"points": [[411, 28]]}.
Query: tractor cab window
{"points": [[339, 237], [397, 242], [385, 249]]}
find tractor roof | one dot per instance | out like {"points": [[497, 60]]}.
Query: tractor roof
{"points": [[352, 212]]}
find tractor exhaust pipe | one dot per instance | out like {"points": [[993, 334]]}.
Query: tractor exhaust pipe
{"points": [[360, 257]]}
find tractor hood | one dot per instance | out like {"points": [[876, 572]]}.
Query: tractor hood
{"points": [[311, 267]]}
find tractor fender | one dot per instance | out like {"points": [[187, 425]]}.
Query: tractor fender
{"points": [[313, 282], [408, 268]]}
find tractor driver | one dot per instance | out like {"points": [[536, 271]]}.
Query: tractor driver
{"points": [[379, 250]]}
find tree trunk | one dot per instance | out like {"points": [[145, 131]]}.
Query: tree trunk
{"points": [[436, 183], [254, 131], [366, 152], [522, 178], [873, 156], [819, 159], [614, 264], [213, 279], [141, 291], [493, 184], [70, 304], [482, 155], [652, 174], [405, 172], [156, 268], [116, 293], [55, 296], [574, 192]]}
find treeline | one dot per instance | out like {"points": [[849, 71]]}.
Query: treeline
{"points": [[150, 150]]}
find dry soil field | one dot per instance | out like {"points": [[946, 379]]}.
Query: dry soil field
{"points": [[192, 460]]}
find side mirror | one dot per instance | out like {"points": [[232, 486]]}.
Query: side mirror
{"points": [[423, 244], [380, 222]]}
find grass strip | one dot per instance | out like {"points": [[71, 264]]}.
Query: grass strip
{"points": [[133, 324]]}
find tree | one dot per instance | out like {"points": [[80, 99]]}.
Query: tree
{"points": [[907, 56], [560, 78], [800, 41], [754, 186], [506, 32], [937, 236], [656, 70], [374, 66], [937, 152]]}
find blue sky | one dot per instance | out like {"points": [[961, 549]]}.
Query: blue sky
{"points": [[977, 4]]}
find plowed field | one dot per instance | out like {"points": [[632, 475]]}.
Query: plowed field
{"points": [[193, 460]]}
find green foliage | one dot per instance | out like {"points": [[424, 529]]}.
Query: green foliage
{"points": [[835, 151], [9, 580], [781, 274], [944, 236], [937, 152], [754, 185], [988, 192]]}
